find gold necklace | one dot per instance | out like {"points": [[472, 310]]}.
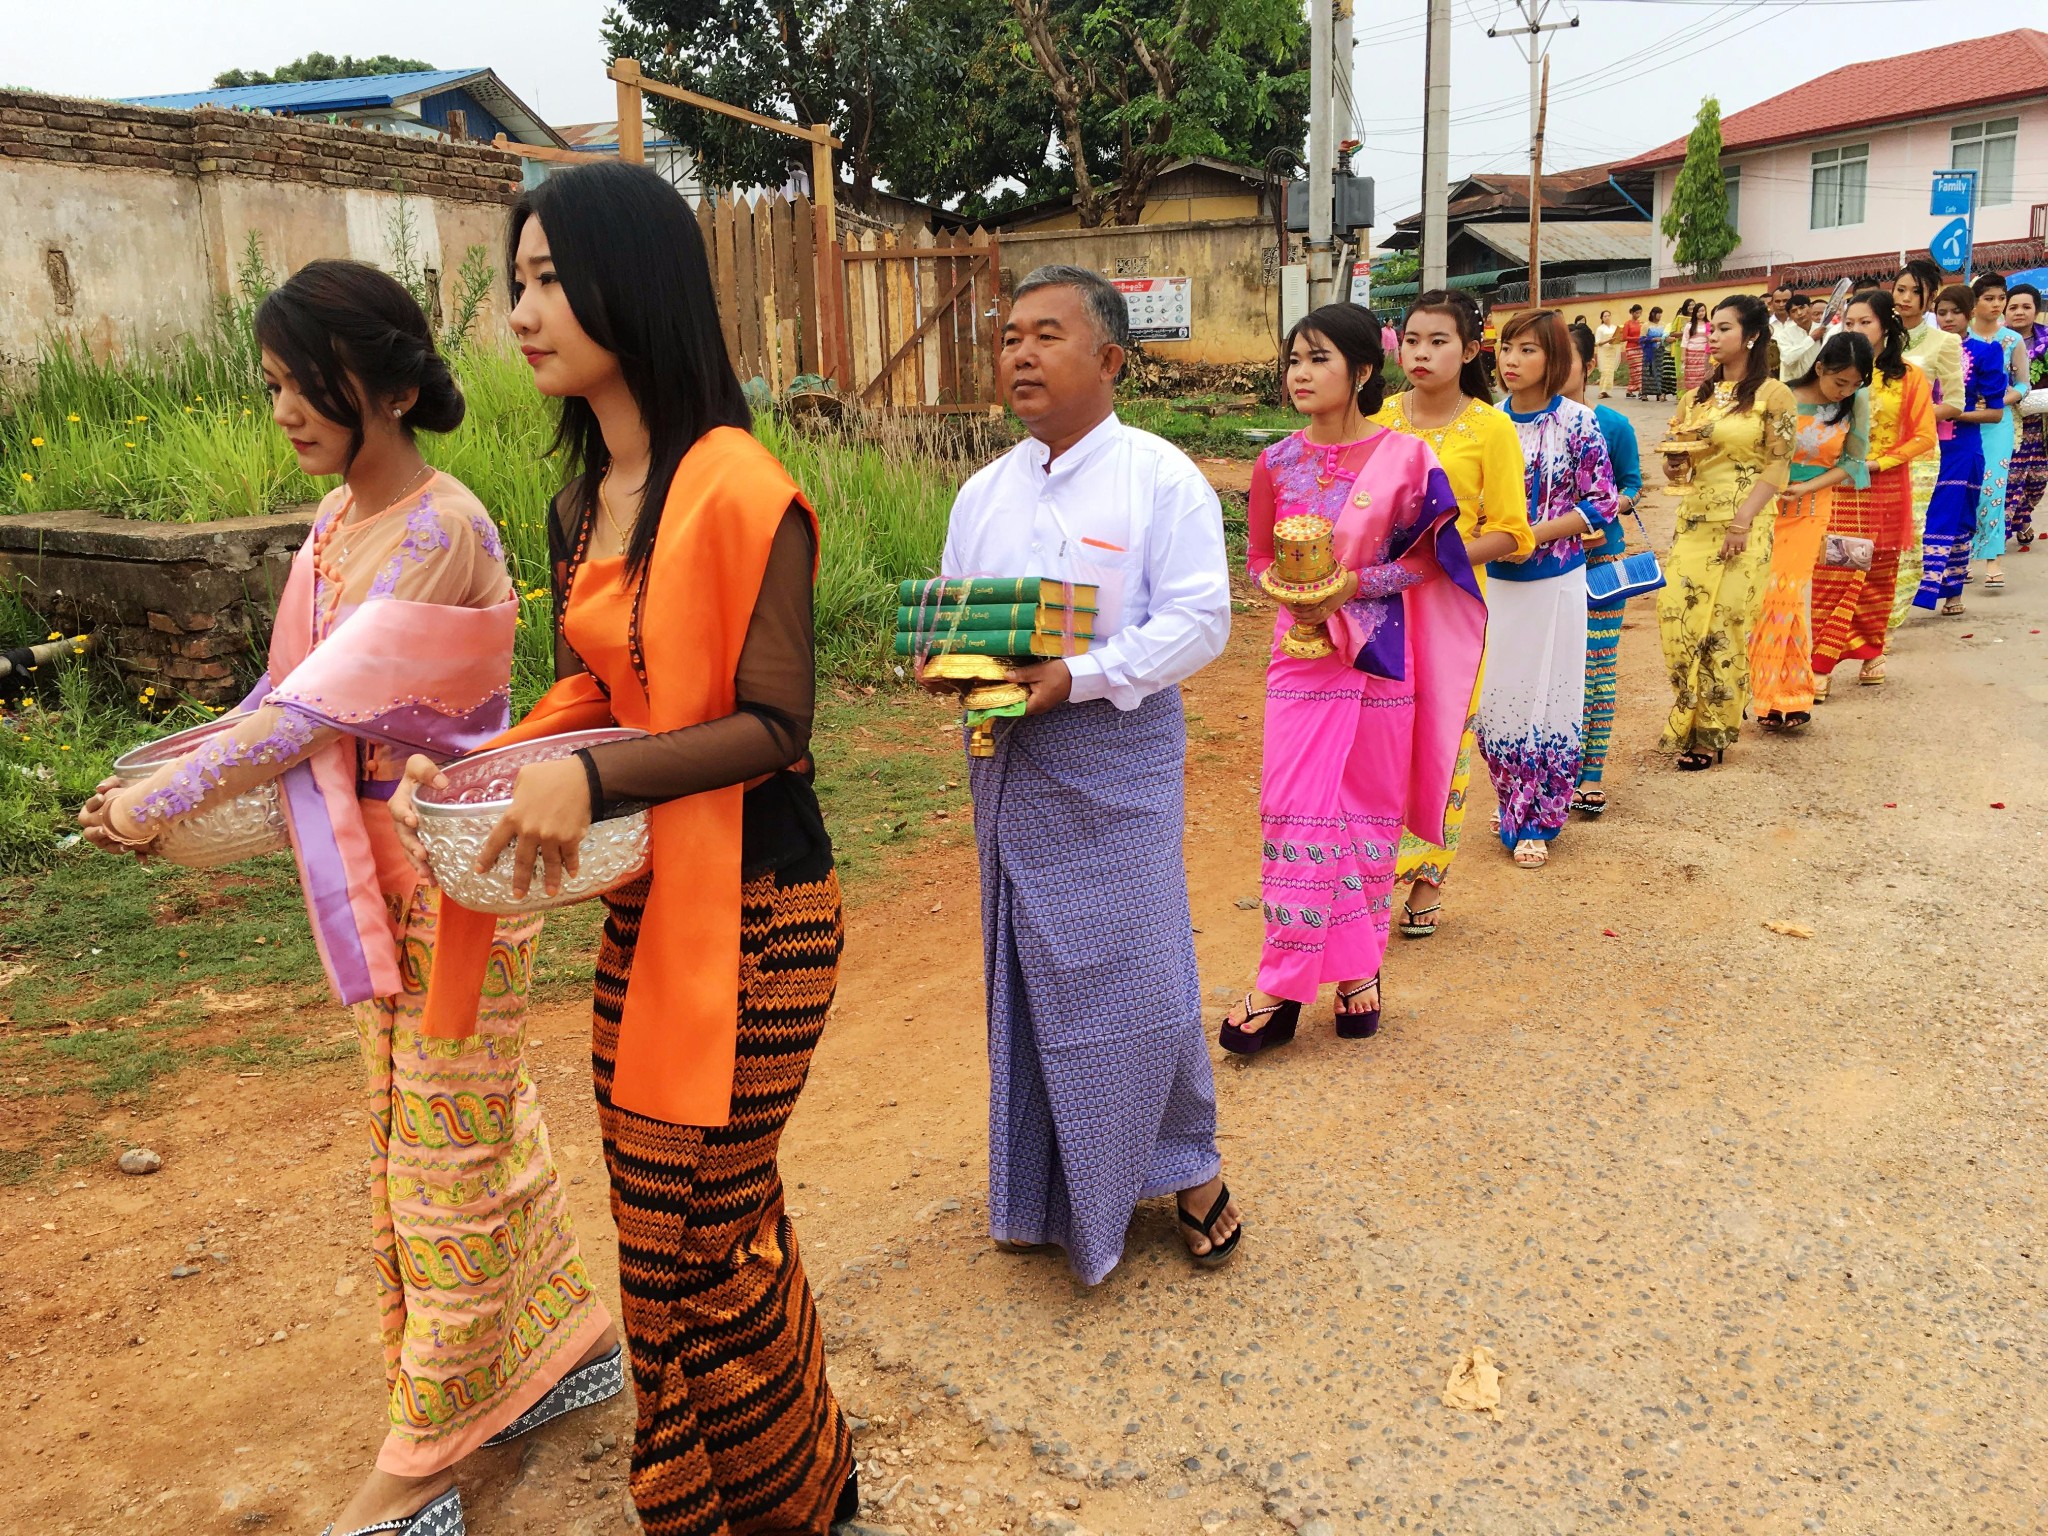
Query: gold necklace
{"points": [[604, 500]]}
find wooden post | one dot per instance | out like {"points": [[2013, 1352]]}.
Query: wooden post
{"points": [[632, 148], [824, 245], [1536, 190]]}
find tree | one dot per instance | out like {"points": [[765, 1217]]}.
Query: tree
{"points": [[1696, 223], [1137, 84], [322, 66], [967, 127], [810, 61]]}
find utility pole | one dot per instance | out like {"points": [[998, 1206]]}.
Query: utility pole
{"points": [[1436, 147], [1536, 180], [1322, 153], [1533, 28]]}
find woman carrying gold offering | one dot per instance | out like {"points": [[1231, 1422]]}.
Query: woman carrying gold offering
{"points": [[1375, 648]]}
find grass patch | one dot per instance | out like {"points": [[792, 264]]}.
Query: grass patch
{"points": [[892, 775], [1192, 425]]}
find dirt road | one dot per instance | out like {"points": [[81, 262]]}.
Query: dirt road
{"points": [[1749, 1219]]}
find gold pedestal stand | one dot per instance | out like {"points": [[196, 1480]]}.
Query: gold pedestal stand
{"points": [[1305, 574], [1681, 453], [983, 684]]}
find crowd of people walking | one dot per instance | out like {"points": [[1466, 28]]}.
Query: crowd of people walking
{"points": [[1484, 568]]}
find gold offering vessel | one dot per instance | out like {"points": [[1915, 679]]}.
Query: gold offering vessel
{"points": [[1305, 574], [1682, 450], [984, 683]]}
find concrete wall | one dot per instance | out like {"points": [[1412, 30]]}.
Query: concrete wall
{"points": [[1775, 214], [1236, 295], [124, 223]]}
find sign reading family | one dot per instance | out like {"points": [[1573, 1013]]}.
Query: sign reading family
{"points": [[1161, 308], [1955, 192], [1954, 198]]}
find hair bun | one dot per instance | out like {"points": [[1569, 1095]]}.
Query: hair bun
{"points": [[1372, 394], [440, 406]]}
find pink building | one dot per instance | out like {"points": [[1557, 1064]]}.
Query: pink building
{"points": [[1832, 178]]}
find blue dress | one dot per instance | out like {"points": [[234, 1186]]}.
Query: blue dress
{"points": [[1952, 511], [1997, 439]]}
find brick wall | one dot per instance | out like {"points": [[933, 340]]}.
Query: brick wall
{"points": [[213, 142], [183, 607]]}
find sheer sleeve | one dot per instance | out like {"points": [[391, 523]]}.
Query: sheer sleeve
{"points": [[560, 549], [259, 746], [1854, 462], [1777, 432], [775, 695]]}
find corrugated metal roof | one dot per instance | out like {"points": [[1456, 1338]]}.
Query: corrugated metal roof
{"points": [[603, 138], [1571, 240], [1973, 72], [369, 93], [294, 96]]}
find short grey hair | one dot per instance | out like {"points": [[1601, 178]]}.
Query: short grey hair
{"points": [[1099, 297]]}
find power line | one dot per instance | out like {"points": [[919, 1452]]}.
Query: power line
{"points": [[1691, 32]]}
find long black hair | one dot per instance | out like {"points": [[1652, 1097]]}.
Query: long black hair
{"points": [[1755, 320], [1354, 331], [1464, 314], [631, 262], [1844, 349], [331, 322], [1891, 357]]}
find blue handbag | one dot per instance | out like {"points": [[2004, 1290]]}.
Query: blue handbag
{"points": [[1633, 575]]}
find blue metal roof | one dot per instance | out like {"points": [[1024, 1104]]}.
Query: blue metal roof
{"points": [[310, 96]]}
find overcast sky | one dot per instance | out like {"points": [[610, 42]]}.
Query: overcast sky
{"points": [[1629, 77]]}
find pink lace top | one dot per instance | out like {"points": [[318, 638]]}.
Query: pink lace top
{"points": [[436, 545]]}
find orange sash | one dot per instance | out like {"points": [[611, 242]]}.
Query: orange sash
{"points": [[679, 1031]]}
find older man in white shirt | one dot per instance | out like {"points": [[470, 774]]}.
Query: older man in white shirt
{"points": [[1100, 1091]]}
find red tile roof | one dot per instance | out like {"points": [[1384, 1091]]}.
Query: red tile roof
{"points": [[1952, 78]]}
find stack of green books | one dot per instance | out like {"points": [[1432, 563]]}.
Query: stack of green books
{"points": [[995, 616]]}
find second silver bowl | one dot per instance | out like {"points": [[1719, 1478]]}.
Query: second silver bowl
{"points": [[455, 823]]}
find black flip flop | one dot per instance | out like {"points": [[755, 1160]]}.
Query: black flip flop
{"points": [[1219, 1253]]}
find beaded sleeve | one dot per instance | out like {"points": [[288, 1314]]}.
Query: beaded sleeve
{"points": [[270, 740]]}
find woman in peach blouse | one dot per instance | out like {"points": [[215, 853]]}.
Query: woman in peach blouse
{"points": [[394, 636]]}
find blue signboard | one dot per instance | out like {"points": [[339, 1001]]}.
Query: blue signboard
{"points": [[1954, 194], [1951, 247]]}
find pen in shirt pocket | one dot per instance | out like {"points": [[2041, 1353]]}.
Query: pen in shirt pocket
{"points": [[1114, 549]]}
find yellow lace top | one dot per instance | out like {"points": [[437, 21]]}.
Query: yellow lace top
{"points": [[1482, 458], [1744, 447]]}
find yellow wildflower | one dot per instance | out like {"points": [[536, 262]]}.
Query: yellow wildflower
{"points": [[31, 479], [142, 418], [35, 442], [63, 748], [72, 417], [55, 634], [188, 410], [127, 445]]}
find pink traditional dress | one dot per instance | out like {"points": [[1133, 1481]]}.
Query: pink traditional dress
{"points": [[394, 636], [1363, 742]]}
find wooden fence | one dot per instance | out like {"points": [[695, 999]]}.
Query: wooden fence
{"points": [[764, 270], [919, 313], [923, 318]]}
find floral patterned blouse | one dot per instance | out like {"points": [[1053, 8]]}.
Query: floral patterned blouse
{"points": [[1743, 448], [1568, 471]]}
